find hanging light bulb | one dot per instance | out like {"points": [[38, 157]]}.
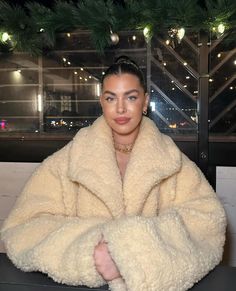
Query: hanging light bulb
{"points": [[5, 36], [146, 31], [180, 34], [221, 28]]}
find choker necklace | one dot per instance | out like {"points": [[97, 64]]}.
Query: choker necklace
{"points": [[123, 148]]}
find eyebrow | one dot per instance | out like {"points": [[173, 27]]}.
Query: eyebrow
{"points": [[126, 93]]}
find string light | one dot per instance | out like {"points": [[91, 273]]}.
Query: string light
{"points": [[64, 59], [164, 64], [185, 64], [211, 80], [187, 77], [134, 37], [75, 73], [17, 74], [5, 37], [167, 42], [221, 28], [146, 32], [68, 34], [234, 62], [180, 34], [231, 88], [219, 55], [81, 69]]}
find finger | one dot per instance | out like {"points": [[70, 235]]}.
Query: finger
{"points": [[103, 240]]}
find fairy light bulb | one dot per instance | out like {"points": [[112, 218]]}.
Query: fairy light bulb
{"points": [[221, 28], [146, 32], [180, 33], [5, 37]]}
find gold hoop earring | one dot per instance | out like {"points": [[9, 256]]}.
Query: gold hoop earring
{"points": [[144, 112]]}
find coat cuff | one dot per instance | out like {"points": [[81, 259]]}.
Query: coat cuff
{"points": [[117, 285], [82, 253], [118, 235]]}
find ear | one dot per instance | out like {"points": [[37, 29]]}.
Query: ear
{"points": [[145, 105]]}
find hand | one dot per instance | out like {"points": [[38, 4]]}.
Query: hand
{"points": [[104, 263]]}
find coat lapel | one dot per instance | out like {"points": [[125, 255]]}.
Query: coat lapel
{"points": [[93, 164], [154, 158]]}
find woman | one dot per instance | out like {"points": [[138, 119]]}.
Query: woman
{"points": [[120, 204]]}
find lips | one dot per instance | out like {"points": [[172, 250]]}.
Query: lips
{"points": [[122, 120]]}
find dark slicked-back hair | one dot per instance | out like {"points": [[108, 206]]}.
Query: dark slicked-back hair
{"points": [[124, 65]]}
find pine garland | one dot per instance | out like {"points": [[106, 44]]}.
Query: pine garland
{"points": [[34, 24]]}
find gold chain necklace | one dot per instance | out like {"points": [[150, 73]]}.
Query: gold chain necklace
{"points": [[123, 148]]}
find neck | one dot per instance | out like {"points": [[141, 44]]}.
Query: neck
{"points": [[126, 138]]}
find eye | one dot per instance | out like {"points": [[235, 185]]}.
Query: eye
{"points": [[109, 98], [132, 98]]}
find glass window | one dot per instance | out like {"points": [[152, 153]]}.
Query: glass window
{"points": [[222, 87], [59, 92]]}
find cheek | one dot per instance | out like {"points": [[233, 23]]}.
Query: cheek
{"points": [[137, 108], [107, 110]]}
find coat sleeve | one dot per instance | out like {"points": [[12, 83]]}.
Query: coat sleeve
{"points": [[40, 235], [179, 246]]}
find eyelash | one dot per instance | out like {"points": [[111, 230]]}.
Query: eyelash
{"points": [[110, 99], [132, 98]]}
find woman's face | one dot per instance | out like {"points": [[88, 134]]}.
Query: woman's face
{"points": [[123, 101]]}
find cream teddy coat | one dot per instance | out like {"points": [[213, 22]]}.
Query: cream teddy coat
{"points": [[164, 225]]}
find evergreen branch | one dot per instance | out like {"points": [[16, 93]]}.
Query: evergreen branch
{"points": [[34, 24]]}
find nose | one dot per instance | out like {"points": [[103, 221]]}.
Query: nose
{"points": [[121, 107]]}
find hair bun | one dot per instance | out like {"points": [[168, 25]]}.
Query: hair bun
{"points": [[126, 60]]}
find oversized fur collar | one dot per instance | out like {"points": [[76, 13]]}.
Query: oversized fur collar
{"points": [[93, 164]]}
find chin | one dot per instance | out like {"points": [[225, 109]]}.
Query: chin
{"points": [[124, 131]]}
